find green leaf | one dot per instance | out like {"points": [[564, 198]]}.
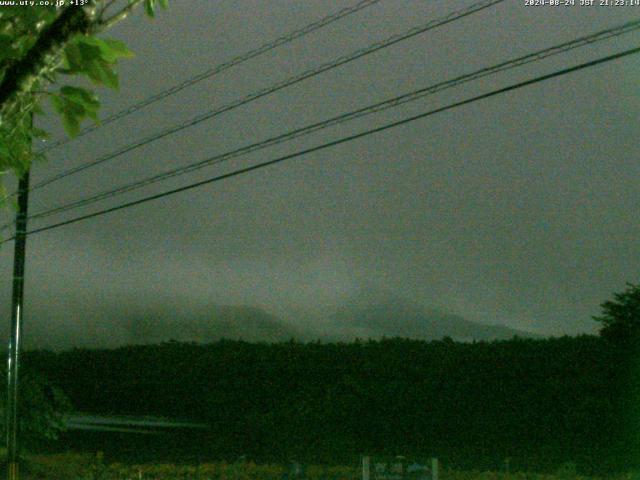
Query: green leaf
{"points": [[96, 68], [94, 57], [74, 104], [39, 133], [4, 152], [71, 125], [110, 49], [116, 49], [108, 76], [6, 47], [73, 57], [10, 12], [89, 52], [150, 7], [164, 3], [82, 96], [70, 112], [86, 98]]}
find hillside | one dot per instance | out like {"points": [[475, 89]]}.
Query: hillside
{"points": [[375, 313], [370, 315]]}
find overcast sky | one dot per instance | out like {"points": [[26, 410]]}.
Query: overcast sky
{"points": [[520, 209]]}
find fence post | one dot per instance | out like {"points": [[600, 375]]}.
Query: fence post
{"points": [[434, 469], [366, 468]]}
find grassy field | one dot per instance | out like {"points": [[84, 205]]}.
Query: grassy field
{"points": [[87, 467]]}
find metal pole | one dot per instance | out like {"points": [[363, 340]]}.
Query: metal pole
{"points": [[13, 356]]}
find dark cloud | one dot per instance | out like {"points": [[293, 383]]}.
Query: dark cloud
{"points": [[518, 209]]}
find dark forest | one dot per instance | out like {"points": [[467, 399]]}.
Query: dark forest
{"points": [[538, 402]]}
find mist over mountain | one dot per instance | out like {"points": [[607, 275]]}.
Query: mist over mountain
{"points": [[408, 321], [131, 325], [237, 322], [376, 313], [366, 314]]}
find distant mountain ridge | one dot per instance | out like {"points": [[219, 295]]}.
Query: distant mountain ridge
{"points": [[376, 321], [233, 322], [375, 314], [369, 315]]}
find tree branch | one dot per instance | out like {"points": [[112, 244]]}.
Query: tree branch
{"points": [[104, 9], [121, 15], [20, 76]]}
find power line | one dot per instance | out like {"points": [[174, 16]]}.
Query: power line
{"points": [[349, 138], [312, 27], [375, 108], [459, 14]]}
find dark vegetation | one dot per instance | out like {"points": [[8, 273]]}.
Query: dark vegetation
{"points": [[539, 402]]}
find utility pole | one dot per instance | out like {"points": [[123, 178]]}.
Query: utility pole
{"points": [[13, 354]]}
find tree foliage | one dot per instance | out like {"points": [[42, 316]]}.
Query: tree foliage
{"points": [[620, 317], [43, 47], [541, 402], [43, 407]]}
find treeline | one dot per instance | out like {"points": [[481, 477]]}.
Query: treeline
{"points": [[539, 403]]}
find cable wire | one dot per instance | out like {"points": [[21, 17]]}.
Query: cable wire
{"points": [[459, 14], [339, 141], [345, 117], [312, 27]]}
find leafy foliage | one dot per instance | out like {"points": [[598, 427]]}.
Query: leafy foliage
{"points": [[620, 317], [150, 6], [37, 45], [42, 409], [73, 104]]}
